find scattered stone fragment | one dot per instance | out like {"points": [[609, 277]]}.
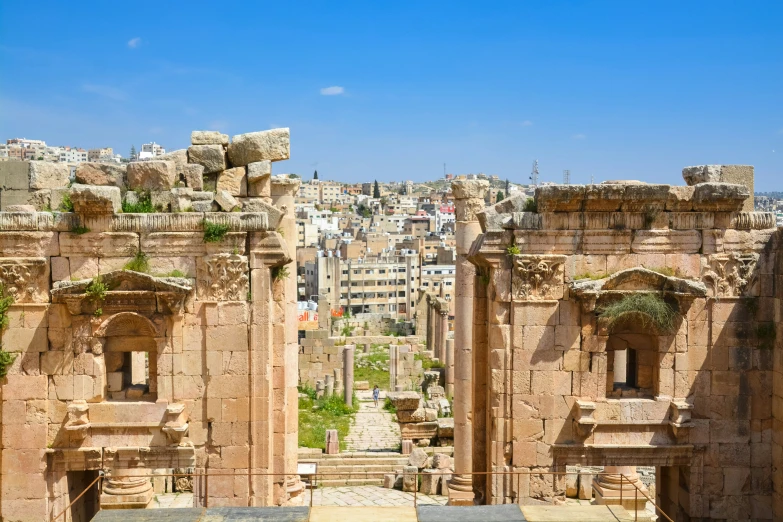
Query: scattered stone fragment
{"points": [[110, 174], [441, 461], [204, 206], [226, 201], [702, 174], [208, 138], [46, 175], [180, 159], [410, 480], [93, 199], [272, 145], [181, 199], [418, 458], [211, 157], [20, 208], [152, 175], [430, 482], [388, 480]]}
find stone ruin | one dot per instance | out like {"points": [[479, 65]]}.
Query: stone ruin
{"points": [[427, 474], [421, 423], [620, 325], [187, 362]]}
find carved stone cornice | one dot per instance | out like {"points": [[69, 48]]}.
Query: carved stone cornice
{"points": [[24, 279], [223, 277], [731, 275], [268, 250], [537, 277]]}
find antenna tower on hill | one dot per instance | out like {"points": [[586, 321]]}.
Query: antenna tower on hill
{"points": [[534, 174], [566, 177]]}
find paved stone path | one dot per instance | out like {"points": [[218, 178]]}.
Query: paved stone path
{"points": [[372, 429], [369, 496]]}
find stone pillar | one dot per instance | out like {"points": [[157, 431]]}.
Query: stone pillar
{"points": [[428, 327], [127, 485], [449, 367], [286, 364], [620, 489], [468, 199], [394, 357], [435, 329], [443, 330], [348, 374], [328, 385]]}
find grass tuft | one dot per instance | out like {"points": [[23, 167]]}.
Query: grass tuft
{"points": [[531, 205], [318, 415], [66, 205], [214, 232], [139, 263], [651, 309], [79, 230], [143, 206]]}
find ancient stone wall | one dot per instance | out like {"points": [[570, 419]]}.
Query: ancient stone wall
{"points": [[142, 347], [697, 400]]}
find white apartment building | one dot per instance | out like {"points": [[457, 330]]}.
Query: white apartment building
{"points": [[151, 150], [72, 155]]}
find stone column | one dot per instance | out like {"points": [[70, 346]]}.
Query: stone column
{"points": [[435, 328], [428, 326], [468, 199], [328, 385], [286, 365], [394, 355], [443, 330], [348, 374], [619, 490], [449, 367]]}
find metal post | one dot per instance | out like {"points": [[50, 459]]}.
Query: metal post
{"points": [[416, 492]]}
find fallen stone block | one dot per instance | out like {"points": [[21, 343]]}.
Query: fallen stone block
{"points": [[446, 427], [20, 208], [272, 145], [193, 173], [388, 480], [405, 400], [47, 175], [208, 138], [211, 157], [226, 201], [423, 443], [204, 206], [702, 174], [410, 479], [233, 181], [585, 486], [361, 385], [179, 157], [181, 200], [332, 442], [418, 458], [93, 199], [417, 415], [441, 461], [430, 482], [151, 175], [111, 174]]}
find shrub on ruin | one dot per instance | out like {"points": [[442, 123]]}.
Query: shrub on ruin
{"points": [[139, 263], [214, 232], [80, 229], [97, 289], [66, 205], [650, 309], [531, 205], [279, 273], [142, 206]]}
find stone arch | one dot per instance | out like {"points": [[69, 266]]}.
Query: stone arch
{"points": [[130, 354], [126, 324]]}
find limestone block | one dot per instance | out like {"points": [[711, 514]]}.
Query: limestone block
{"points": [[405, 400], [92, 199], [226, 201], [152, 175], [585, 486], [233, 181], [179, 157], [701, 174], [441, 461], [407, 447], [111, 174], [666, 241], [259, 178], [680, 199], [211, 157], [606, 241], [272, 145], [410, 480], [96, 244], [741, 175], [560, 198], [114, 381], [46, 175], [388, 480], [719, 197], [572, 483], [194, 176], [204, 206], [419, 430], [208, 138], [418, 458], [430, 482], [603, 197], [645, 197]]}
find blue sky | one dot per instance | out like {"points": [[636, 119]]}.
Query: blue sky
{"points": [[616, 90]]}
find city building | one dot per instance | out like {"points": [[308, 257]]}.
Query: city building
{"points": [[151, 150]]}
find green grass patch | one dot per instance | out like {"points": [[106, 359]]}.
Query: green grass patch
{"points": [[651, 310], [318, 415], [388, 405], [175, 273], [79, 230], [139, 263], [664, 270], [428, 363], [590, 276], [373, 367], [66, 205], [214, 232], [142, 206]]}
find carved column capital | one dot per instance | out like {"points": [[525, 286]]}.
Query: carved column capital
{"points": [[468, 198]]}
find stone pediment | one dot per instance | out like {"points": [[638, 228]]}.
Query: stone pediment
{"points": [[125, 291], [638, 279]]}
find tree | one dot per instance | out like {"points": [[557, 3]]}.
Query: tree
{"points": [[315, 175], [500, 196], [376, 191], [133, 152]]}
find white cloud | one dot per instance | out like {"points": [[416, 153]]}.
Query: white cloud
{"points": [[579, 136], [218, 125], [526, 123], [106, 91], [335, 90], [134, 42]]}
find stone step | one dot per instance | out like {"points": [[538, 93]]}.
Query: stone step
{"points": [[348, 482], [358, 462]]}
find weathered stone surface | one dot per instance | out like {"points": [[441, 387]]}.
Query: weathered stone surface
{"points": [[446, 427], [152, 175], [741, 175], [405, 400], [272, 145], [111, 174], [46, 175], [418, 458], [725, 197], [92, 199], [226, 201], [204, 206], [604, 197], [193, 173], [430, 481], [410, 480], [211, 157], [259, 205], [500, 215], [419, 430], [645, 197], [181, 199], [208, 138], [441, 461], [586, 486], [560, 198], [20, 208], [179, 157], [702, 174], [233, 181], [259, 178], [389, 480], [417, 415]]}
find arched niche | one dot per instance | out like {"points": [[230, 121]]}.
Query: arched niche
{"points": [[130, 356]]}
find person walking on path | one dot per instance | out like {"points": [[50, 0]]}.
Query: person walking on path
{"points": [[376, 394]]}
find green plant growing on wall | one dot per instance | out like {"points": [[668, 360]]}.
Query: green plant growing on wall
{"points": [[531, 205], [513, 249], [651, 309], [214, 232], [280, 273], [766, 334], [139, 263], [663, 270], [142, 206], [6, 358], [96, 291], [79, 230], [66, 205]]}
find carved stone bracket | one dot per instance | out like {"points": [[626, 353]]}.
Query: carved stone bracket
{"points": [[176, 423], [78, 421], [731, 275], [22, 278], [585, 423], [223, 277], [537, 277], [680, 418]]}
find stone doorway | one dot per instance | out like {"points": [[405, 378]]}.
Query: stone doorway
{"points": [[86, 507]]}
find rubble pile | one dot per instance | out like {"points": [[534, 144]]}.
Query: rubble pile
{"points": [[426, 474]]}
